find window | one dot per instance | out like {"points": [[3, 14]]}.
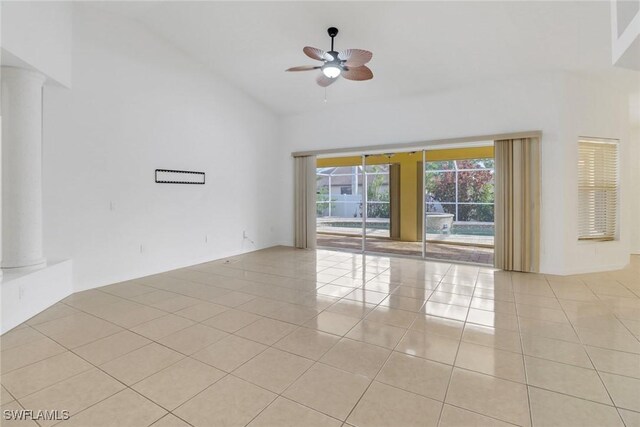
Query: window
{"points": [[597, 189], [346, 190]]}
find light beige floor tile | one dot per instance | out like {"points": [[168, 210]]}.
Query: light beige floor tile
{"points": [[26, 354], [413, 292], [630, 418], [403, 303], [439, 326], [549, 409], [383, 405], [77, 329], [233, 299], [495, 294], [296, 314], [229, 402], [177, 303], [273, 369], [232, 320], [491, 396], [140, 363], [126, 289], [201, 311], [559, 331], [193, 338], [491, 361], [108, 348], [447, 311], [162, 326], [455, 289], [229, 353], [541, 313], [568, 379], [416, 375], [56, 311], [24, 381], [5, 396], [328, 390], [457, 417], [429, 346], [178, 383], [376, 333], [286, 413], [74, 394], [266, 331], [392, 317], [447, 298], [625, 391], [613, 340], [19, 336], [556, 350], [126, 313], [126, 408], [333, 323], [615, 362], [356, 357], [493, 305], [491, 337], [170, 420], [335, 290], [493, 320], [351, 308], [308, 343], [91, 298]]}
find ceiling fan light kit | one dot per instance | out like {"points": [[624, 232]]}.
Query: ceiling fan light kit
{"points": [[349, 63]]}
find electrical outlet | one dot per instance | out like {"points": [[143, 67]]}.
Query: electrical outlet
{"points": [[244, 234], [206, 238], [141, 248]]}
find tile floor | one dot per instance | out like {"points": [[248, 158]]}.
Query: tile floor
{"points": [[438, 251], [285, 337]]}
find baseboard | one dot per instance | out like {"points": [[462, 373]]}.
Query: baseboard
{"points": [[597, 269], [23, 295]]}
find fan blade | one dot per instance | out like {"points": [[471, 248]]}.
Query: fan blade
{"points": [[324, 81], [303, 68], [358, 73], [355, 57], [315, 53]]}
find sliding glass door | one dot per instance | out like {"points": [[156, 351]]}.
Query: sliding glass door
{"points": [[435, 204], [339, 201]]}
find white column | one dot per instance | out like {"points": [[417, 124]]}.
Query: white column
{"points": [[21, 168]]}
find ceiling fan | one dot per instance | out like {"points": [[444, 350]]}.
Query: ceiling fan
{"points": [[349, 63]]}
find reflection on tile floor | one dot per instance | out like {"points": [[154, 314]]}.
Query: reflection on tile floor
{"points": [[285, 337], [439, 251]]}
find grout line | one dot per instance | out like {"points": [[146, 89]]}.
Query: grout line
{"points": [[455, 358]]}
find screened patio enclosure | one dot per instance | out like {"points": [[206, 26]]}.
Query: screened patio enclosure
{"points": [[408, 203]]}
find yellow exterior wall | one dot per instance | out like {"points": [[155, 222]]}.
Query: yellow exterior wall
{"points": [[410, 167]]}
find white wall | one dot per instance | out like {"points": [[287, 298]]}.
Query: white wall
{"points": [[138, 104], [38, 35], [634, 188], [544, 102], [595, 108]]}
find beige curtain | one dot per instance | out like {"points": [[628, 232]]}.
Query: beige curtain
{"points": [[517, 204], [305, 202]]}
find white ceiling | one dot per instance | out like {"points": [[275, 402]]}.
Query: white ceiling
{"points": [[418, 47]]}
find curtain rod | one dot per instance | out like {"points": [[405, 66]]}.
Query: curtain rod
{"points": [[420, 144]]}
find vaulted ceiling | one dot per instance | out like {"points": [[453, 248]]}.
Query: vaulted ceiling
{"points": [[418, 47]]}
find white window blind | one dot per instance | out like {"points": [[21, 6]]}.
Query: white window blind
{"points": [[597, 189]]}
